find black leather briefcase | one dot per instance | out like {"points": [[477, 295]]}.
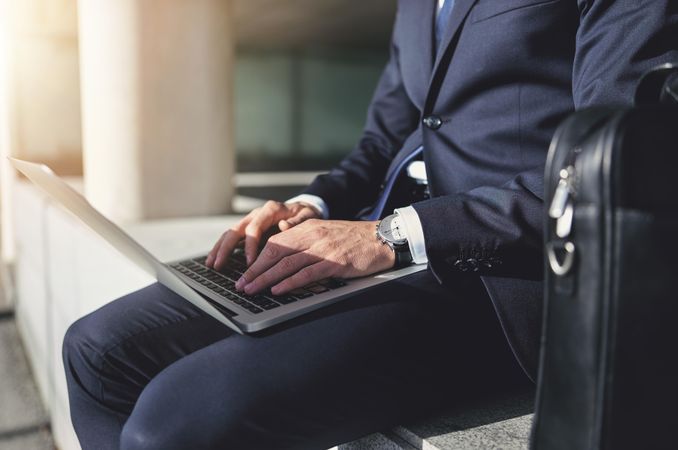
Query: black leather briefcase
{"points": [[608, 376]]}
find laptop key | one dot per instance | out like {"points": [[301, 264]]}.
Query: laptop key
{"points": [[246, 296], [284, 299], [332, 283], [238, 254], [237, 265], [225, 311], [259, 300], [228, 284], [316, 288], [230, 274], [300, 293], [269, 305]]}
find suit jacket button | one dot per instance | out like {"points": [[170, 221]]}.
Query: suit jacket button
{"points": [[433, 122]]}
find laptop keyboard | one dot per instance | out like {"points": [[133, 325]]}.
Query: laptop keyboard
{"points": [[223, 284]]}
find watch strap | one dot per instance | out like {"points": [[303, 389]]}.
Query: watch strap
{"points": [[403, 256]]}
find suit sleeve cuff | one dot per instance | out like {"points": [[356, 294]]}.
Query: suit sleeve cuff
{"points": [[314, 202], [415, 233]]}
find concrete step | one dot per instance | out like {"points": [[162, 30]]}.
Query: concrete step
{"points": [[501, 422]]}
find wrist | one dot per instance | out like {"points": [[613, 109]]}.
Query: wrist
{"points": [[383, 251]]}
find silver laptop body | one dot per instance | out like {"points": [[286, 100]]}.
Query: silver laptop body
{"points": [[205, 288]]}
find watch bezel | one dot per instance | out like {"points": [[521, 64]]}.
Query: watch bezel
{"points": [[385, 226]]}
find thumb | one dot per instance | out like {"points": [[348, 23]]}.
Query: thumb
{"points": [[303, 215]]}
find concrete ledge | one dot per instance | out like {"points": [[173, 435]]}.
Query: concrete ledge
{"points": [[501, 422], [64, 271]]}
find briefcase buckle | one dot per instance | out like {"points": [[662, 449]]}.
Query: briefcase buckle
{"points": [[561, 268], [562, 211]]}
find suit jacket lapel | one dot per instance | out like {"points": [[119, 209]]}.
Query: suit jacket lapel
{"points": [[426, 24], [418, 34]]}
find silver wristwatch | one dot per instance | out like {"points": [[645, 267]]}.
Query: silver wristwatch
{"points": [[391, 233]]}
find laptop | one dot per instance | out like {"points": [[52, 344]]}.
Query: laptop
{"points": [[210, 290]]}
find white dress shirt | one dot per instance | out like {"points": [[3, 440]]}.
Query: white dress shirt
{"points": [[408, 215]]}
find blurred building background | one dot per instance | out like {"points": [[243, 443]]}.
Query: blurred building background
{"points": [[303, 75], [160, 109]]}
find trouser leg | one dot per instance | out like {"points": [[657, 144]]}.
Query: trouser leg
{"points": [[113, 353], [372, 361]]}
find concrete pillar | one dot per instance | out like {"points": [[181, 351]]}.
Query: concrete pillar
{"points": [[157, 106]]}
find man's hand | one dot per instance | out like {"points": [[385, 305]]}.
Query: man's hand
{"points": [[254, 225], [315, 250]]}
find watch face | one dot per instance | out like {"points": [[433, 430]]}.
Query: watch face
{"points": [[391, 230]]}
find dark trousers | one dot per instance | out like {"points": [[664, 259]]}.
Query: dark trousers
{"points": [[150, 371]]}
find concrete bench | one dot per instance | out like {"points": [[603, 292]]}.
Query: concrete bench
{"points": [[57, 281]]}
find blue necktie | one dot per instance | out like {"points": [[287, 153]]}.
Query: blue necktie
{"points": [[441, 22]]}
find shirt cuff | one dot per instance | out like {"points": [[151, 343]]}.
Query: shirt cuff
{"points": [[314, 202], [414, 233]]}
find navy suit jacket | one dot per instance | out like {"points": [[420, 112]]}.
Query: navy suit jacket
{"points": [[507, 73]]}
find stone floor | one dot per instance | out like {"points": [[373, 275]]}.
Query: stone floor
{"points": [[23, 421]]}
